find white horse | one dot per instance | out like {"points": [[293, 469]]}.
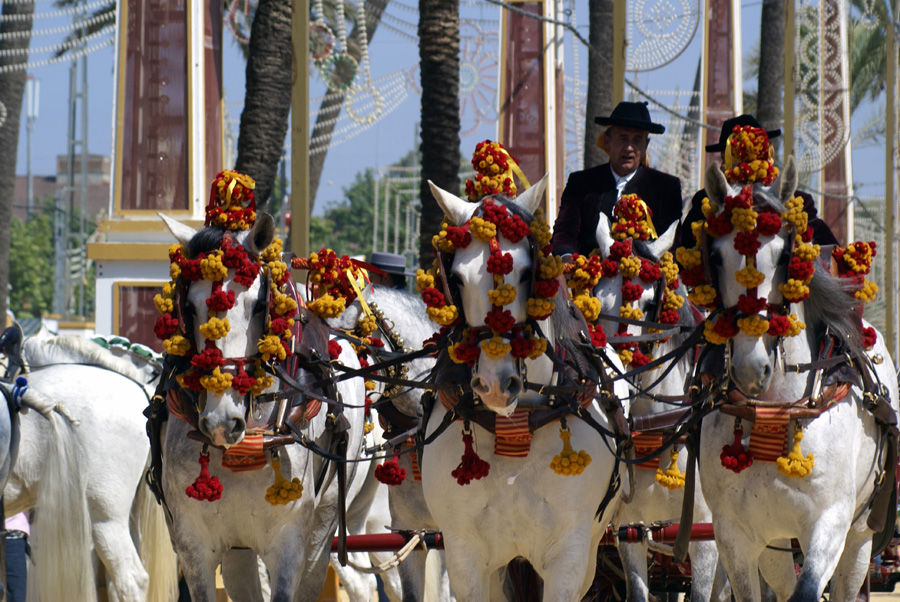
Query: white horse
{"points": [[405, 313], [83, 455], [293, 540], [521, 508], [827, 510], [651, 501]]}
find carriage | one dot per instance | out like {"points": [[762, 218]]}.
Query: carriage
{"points": [[598, 413]]}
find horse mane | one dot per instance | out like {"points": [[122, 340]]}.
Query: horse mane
{"points": [[77, 350], [831, 303], [206, 240]]}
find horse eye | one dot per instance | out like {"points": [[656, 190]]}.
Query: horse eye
{"points": [[259, 307], [527, 275]]}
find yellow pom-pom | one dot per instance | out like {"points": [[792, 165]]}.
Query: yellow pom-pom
{"points": [[703, 295], [270, 346], [502, 295], [539, 308], [176, 345], [215, 328], [163, 304], [754, 326], [668, 267], [794, 290], [495, 347], [706, 207], [749, 277], [217, 382], [711, 335], [481, 229], [589, 306], [673, 301], [806, 252], [629, 312], [368, 427], [366, 325], [744, 219], [569, 462], [671, 478], [551, 267], [424, 279], [211, 267], [283, 304], [540, 348], [445, 316], [689, 258], [867, 292], [795, 465], [327, 306], [629, 267], [283, 491]]}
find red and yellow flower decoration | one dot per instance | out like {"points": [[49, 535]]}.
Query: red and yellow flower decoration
{"points": [[494, 169], [231, 203], [749, 157], [632, 219]]}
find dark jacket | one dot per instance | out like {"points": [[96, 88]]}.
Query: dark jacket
{"points": [[821, 232], [593, 190]]}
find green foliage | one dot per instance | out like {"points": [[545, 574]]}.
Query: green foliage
{"points": [[31, 266]]}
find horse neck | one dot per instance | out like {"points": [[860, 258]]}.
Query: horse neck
{"points": [[672, 384]]}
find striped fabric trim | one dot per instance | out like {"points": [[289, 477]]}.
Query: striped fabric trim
{"points": [[173, 400], [512, 435], [246, 455], [414, 458], [644, 444], [768, 438], [447, 399]]}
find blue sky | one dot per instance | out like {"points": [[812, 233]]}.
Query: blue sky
{"points": [[393, 55]]}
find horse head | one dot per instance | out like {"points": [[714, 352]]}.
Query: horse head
{"points": [[223, 308], [758, 256], [495, 273]]}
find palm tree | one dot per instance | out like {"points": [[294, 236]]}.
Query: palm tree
{"points": [[439, 69], [12, 91], [769, 105], [599, 84]]}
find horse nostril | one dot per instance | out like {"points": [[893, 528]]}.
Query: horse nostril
{"points": [[239, 426], [513, 386], [477, 384], [203, 426]]}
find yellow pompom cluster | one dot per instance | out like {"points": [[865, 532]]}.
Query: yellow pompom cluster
{"points": [[212, 268], [626, 355], [794, 290], [277, 269], [867, 292], [689, 258], [283, 491], [551, 267], [864, 251], [754, 325], [327, 306], [711, 335], [424, 279], [215, 328], [673, 301], [630, 313], [217, 382], [590, 306], [744, 219], [482, 229], [273, 252], [707, 208], [540, 229], [629, 267], [176, 345], [495, 347], [569, 462], [540, 347], [581, 278], [668, 267], [671, 478], [702, 295], [538, 308], [164, 302], [283, 304], [795, 465], [749, 277], [263, 380], [367, 325], [795, 215], [806, 252], [504, 294], [795, 327], [445, 316], [270, 346]]}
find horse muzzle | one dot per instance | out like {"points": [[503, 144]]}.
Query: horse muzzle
{"points": [[223, 432], [752, 375], [500, 394]]}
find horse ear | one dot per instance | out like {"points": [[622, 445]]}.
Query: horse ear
{"points": [[716, 184], [182, 232], [457, 210], [662, 244], [603, 235], [531, 199], [261, 234], [787, 181]]}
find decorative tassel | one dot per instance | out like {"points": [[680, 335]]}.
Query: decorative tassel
{"points": [[569, 462], [470, 466], [390, 472], [204, 487], [283, 491], [735, 457], [795, 465], [672, 478]]}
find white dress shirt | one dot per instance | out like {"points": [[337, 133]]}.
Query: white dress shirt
{"points": [[621, 181]]}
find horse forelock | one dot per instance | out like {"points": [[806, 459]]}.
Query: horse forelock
{"points": [[832, 304], [71, 349], [206, 240]]}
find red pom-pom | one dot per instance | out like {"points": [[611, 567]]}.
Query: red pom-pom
{"points": [[632, 291], [719, 225], [726, 326], [166, 325], [242, 382], [499, 263], [735, 457], [521, 347], [334, 349], [470, 467], [220, 301], [870, 337], [190, 270], [514, 228], [638, 359], [778, 325], [499, 320], [747, 243], [546, 289], [695, 276], [750, 305], [650, 271], [279, 325], [432, 297], [204, 487], [768, 223], [598, 335], [609, 267], [390, 473], [208, 359], [801, 270], [620, 249], [459, 236], [668, 316]]}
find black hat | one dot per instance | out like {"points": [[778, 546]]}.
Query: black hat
{"points": [[728, 128], [632, 115], [390, 263]]}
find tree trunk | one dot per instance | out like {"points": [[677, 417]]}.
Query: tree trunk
{"points": [[267, 100], [12, 90], [330, 109], [439, 69], [771, 66], [600, 78]]}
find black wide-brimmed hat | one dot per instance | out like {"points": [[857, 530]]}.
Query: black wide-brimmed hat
{"points": [[632, 115], [391, 263], [728, 127]]}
